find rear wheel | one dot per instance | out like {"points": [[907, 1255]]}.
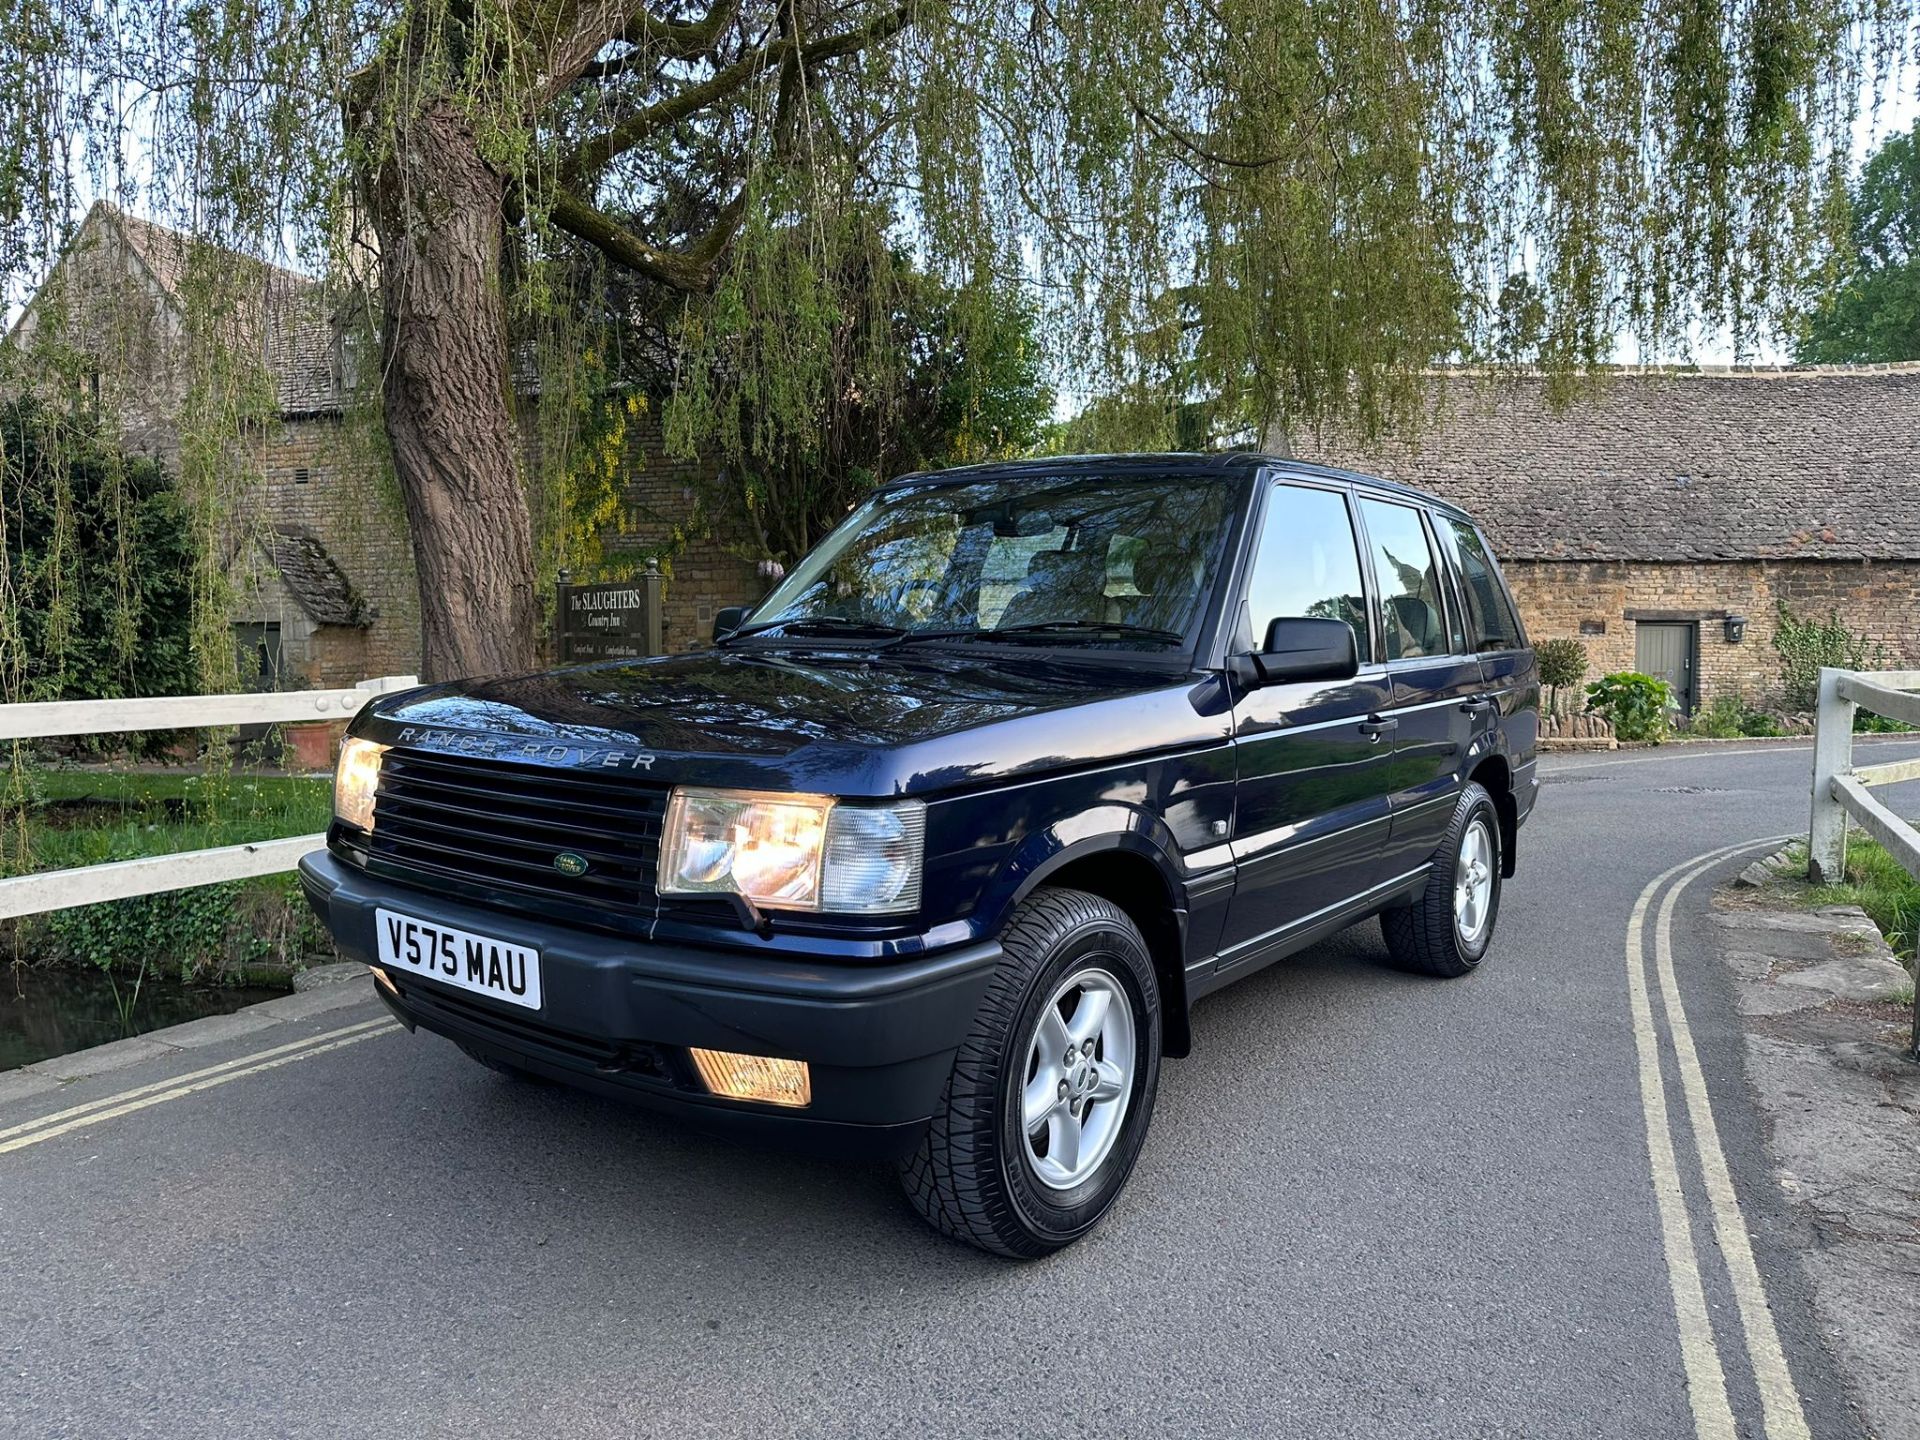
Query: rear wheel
{"points": [[1447, 930], [1048, 1103]]}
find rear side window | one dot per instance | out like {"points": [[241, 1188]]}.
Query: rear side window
{"points": [[1308, 564], [1489, 612], [1413, 617]]}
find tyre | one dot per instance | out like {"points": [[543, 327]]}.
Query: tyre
{"points": [[1052, 1090], [1447, 930]]}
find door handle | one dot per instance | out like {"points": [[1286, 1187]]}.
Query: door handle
{"points": [[1374, 728], [1478, 705]]}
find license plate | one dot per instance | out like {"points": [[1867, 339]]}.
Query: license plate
{"points": [[498, 969]]}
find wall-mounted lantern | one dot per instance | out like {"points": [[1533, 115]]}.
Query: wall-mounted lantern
{"points": [[1736, 627]]}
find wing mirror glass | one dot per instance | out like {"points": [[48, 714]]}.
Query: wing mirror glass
{"points": [[727, 619], [1302, 648]]}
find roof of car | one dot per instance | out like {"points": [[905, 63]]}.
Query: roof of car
{"points": [[1160, 464]]}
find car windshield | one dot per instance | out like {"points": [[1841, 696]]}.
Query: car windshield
{"points": [[1115, 561]]}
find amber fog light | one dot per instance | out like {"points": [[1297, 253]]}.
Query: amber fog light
{"points": [[755, 1077]]}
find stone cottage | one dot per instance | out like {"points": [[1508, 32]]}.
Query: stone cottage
{"points": [[1665, 517], [324, 580], [322, 574]]}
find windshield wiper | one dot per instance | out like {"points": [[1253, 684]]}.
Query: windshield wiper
{"points": [[819, 625], [1042, 630]]}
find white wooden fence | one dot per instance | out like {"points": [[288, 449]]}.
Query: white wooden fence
{"points": [[120, 879], [1841, 792]]}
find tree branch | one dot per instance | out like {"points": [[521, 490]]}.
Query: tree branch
{"points": [[680, 39], [598, 150], [689, 271], [574, 34]]}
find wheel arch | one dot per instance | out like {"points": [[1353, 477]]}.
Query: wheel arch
{"points": [[1495, 775], [1130, 870]]}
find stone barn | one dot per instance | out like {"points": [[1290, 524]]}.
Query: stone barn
{"points": [[1665, 516]]}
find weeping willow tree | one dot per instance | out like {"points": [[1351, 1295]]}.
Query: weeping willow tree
{"points": [[1280, 211]]}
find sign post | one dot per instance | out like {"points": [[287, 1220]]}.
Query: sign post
{"points": [[609, 620]]}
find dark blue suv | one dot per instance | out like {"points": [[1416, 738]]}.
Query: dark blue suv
{"points": [[934, 849]]}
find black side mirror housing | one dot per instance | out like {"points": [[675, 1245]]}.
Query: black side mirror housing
{"points": [[1302, 648], [727, 619]]}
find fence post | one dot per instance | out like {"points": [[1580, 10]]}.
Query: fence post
{"points": [[562, 641], [652, 584], [1832, 755]]}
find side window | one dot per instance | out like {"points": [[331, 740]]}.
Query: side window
{"points": [[1457, 641], [1413, 617], [1491, 615], [1308, 564]]}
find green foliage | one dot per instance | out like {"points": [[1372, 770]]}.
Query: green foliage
{"points": [[1563, 662], [1636, 705], [1233, 217], [1722, 720], [1729, 717], [90, 816], [99, 549], [85, 816], [1880, 885], [890, 372], [1870, 309], [1808, 646]]}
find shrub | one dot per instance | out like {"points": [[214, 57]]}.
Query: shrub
{"points": [[100, 548], [1563, 662], [1722, 720], [1808, 646], [1635, 705], [1729, 717]]}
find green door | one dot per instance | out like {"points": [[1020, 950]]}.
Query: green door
{"points": [[1665, 651]]}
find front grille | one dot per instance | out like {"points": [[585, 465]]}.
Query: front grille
{"points": [[498, 826]]}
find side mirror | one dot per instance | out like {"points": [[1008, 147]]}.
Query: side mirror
{"points": [[1298, 648], [727, 619]]}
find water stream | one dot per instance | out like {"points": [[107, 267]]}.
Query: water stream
{"points": [[48, 1011]]}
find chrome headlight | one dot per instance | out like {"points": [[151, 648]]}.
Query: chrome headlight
{"points": [[794, 852], [354, 781]]}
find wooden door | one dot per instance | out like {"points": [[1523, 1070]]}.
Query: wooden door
{"points": [[1665, 651]]}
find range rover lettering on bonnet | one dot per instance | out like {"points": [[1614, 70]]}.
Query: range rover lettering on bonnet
{"points": [[508, 747]]}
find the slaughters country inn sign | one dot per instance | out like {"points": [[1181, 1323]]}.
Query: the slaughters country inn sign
{"points": [[608, 620]]}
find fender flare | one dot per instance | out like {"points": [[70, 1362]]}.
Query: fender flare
{"points": [[1105, 830]]}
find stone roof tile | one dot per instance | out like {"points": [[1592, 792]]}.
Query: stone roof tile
{"points": [[321, 586], [1821, 463]]}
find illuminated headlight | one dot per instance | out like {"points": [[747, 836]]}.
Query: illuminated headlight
{"points": [[354, 781], [794, 852]]}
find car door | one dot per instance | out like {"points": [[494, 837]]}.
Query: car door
{"points": [[1438, 700], [1311, 818], [1494, 633]]}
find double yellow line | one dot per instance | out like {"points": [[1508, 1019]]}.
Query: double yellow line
{"points": [[1781, 1410], [62, 1122]]}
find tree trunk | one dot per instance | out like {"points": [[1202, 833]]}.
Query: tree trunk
{"points": [[437, 208]]}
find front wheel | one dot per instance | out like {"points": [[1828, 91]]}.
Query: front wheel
{"points": [[1048, 1103], [1447, 930]]}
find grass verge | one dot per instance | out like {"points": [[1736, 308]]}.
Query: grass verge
{"points": [[247, 931], [1881, 886]]}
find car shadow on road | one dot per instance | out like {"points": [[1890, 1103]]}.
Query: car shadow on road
{"points": [[565, 1167]]}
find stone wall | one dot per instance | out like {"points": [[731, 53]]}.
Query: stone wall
{"points": [[1880, 599], [320, 474], [702, 555]]}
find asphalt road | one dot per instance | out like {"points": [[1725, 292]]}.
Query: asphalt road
{"points": [[1371, 1206]]}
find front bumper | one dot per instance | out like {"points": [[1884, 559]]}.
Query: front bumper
{"points": [[617, 1016]]}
